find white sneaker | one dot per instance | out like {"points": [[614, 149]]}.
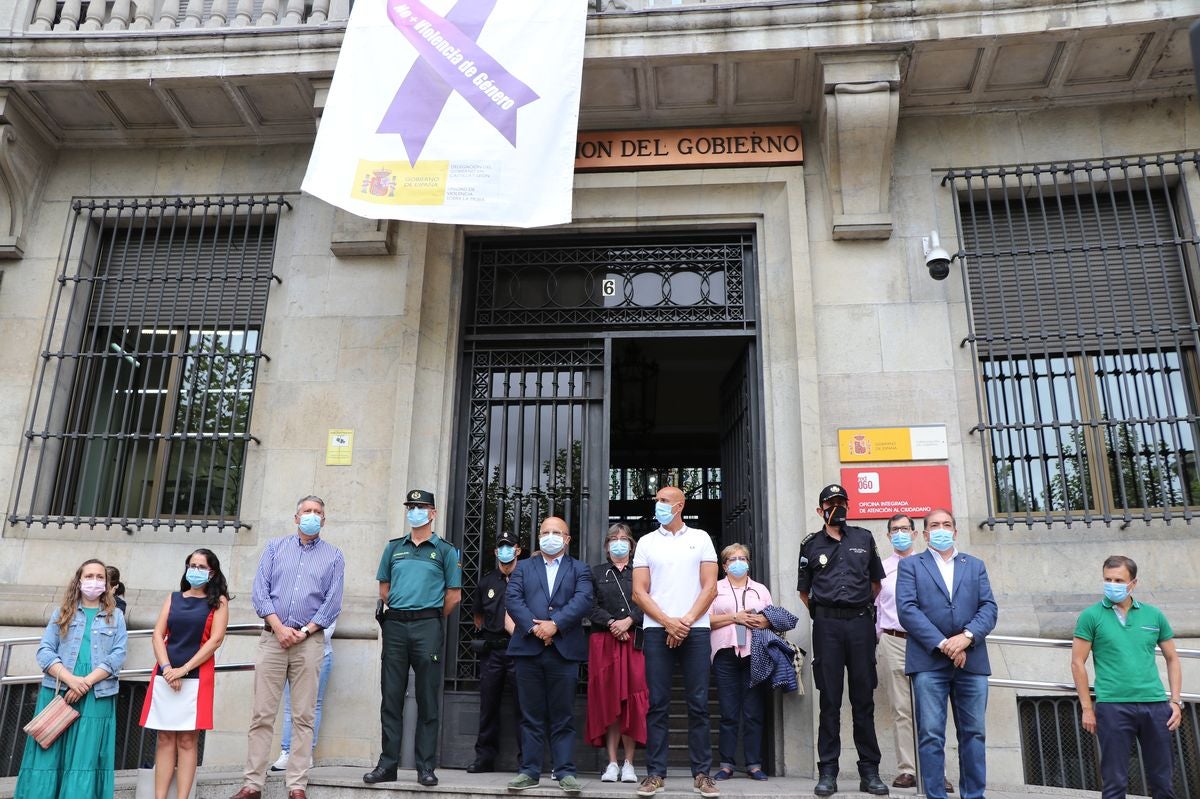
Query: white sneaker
{"points": [[627, 773], [281, 763], [611, 774]]}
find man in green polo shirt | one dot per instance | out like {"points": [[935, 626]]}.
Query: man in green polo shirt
{"points": [[1121, 634], [420, 583]]}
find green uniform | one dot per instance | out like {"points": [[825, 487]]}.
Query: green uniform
{"points": [[413, 635], [419, 575], [1123, 654]]}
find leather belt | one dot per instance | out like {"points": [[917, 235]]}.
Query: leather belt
{"points": [[830, 612], [412, 615], [897, 633]]}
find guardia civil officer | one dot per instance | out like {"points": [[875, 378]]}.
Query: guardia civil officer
{"points": [[839, 575], [419, 585], [496, 667]]}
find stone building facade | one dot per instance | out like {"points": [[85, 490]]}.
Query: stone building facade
{"points": [[906, 112]]}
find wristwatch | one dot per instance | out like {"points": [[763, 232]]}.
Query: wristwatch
{"points": [[1178, 702], [970, 635], [304, 631]]}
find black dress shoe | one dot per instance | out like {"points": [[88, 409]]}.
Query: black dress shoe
{"points": [[427, 778], [480, 767], [870, 783], [826, 785], [379, 774]]}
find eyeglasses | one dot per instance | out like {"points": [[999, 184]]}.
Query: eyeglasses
{"points": [[900, 530]]}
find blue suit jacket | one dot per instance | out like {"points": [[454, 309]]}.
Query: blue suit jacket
{"points": [[528, 598], [928, 613]]}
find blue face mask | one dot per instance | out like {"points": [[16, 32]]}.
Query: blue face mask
{"points": [[506, 554], [310, 523], [196, 577], [1116, 592], [738, 568], [941, 539], [417, 517], [551, 544], [662, 512], [901, 542], [618, 548]]}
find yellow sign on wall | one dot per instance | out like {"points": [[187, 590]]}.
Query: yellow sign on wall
{"points": [[339, 448], [918, 443]]}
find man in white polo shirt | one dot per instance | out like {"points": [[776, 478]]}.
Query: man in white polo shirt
{"points": [[674, 583]]}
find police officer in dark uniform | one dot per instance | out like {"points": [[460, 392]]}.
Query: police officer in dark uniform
{"points": [[496, 668], [420, 584], [840, 574]]}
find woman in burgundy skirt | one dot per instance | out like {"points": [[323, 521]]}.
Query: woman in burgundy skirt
{"points": [[617, 699]]}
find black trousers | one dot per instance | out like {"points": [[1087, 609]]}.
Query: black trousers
{"points": [[496, 671], [841, 647]]}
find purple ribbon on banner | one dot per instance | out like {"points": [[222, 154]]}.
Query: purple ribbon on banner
{"points": [[449, 60]]}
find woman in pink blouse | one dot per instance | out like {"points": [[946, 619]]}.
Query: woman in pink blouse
{"points": [[734, 613]]}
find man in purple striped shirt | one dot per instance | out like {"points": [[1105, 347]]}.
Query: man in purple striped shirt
{"points": [[297, 593]]}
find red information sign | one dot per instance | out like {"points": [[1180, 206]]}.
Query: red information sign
{"points": [[877, 492]]}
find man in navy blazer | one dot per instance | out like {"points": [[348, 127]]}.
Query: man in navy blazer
{"points": [[548, 597], [945, 603]]}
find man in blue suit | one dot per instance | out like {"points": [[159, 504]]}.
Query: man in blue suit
{"points": [[548, 596], [945, 602]]}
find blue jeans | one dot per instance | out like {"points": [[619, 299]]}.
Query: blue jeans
{"points": [[322, 680], [691, 659], [967, 694], [741, 708], [1117, 725]]}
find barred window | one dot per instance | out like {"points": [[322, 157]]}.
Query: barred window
{"points": [[1081, 288], [141, 409]]}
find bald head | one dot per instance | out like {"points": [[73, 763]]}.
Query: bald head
{"points": [[553, 524], [669, 494]]}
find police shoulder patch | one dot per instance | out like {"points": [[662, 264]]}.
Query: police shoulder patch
{"points": [[807, 538]]}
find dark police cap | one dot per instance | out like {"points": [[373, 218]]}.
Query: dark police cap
{"points": [[833, 491], [507, 538], [419, 497]]}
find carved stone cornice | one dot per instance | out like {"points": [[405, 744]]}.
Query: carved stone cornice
{"points": [[858, 133], [26, 156]]}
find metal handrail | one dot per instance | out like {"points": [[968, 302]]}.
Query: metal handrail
{"points": [[6, 645], [1001, 682]]}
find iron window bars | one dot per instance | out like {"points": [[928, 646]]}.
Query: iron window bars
{"points": [[1081, 286], [141, 406]]}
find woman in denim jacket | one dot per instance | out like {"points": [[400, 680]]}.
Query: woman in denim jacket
{"points": [[82, 650]]}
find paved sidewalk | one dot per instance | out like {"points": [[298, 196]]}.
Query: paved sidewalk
{"points": [[345, 782]]}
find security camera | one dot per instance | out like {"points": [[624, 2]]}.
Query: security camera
{"points": [[937, 260]]}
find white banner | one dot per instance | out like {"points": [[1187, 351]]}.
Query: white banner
{"points": [[454, 111]]}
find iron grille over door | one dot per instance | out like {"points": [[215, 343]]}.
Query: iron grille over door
{"points": [[533, 423], [580, 282], [741, 487]]}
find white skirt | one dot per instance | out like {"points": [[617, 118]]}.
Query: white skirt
{"points": [[171, 709]]}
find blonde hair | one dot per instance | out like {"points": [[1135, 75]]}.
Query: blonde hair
{"points": [[728, 551], [72, 596]]}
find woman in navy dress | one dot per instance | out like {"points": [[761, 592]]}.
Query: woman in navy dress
{"points": [[190, 628]]}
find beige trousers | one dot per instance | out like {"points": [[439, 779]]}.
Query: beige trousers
{"points": [[891, 650], [301, 665]]}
